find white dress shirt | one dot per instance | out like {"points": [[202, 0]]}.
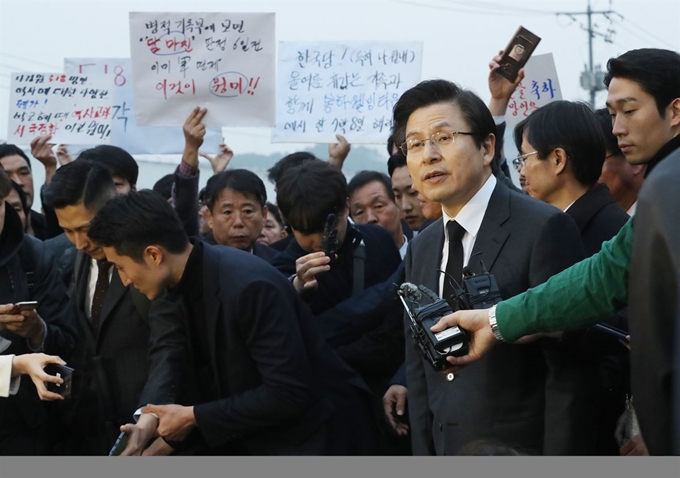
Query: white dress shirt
{"points": [[470, 218]]}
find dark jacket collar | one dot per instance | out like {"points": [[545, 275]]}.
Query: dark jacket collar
{"points": [[589, 204], [667, 149]]}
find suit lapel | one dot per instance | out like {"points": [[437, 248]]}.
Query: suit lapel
{"points": [[113, 295], [492, 235], [430, 261]]}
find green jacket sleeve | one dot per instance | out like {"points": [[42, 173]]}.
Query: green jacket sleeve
{"points": [[591, 289]]}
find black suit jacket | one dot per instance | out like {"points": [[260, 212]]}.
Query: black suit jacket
{"points": [[112, 376], [282, 390], [598, 217], [654, 294], [510, 394]]}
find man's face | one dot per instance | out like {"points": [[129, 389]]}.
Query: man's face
{"points": [[146, 276], [449, 174], [236, 219], [407, 198], [431, 210], [123, 186], [75, 221], [314, 242], [620, 176], [13, 200], [272, 230], [539, 179], [371, 204], [636, 122], [18, 171]]}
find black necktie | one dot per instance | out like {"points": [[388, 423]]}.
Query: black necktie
{"points": [[454, 265], [100, 289]]}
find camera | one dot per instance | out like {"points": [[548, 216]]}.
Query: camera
{"points": [[330, 242], [425, 309]]}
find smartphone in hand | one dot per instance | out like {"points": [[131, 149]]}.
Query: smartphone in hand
{"points": [[517, 53], [22, 306], [65, 373], [120, 444]]}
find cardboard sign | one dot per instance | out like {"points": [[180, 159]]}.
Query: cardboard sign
{"points": [[539, 87], [348, 88], [221, 61], [70, 107], [125, 133]]}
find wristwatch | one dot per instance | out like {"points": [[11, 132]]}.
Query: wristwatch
{"points": [[494, 324]]}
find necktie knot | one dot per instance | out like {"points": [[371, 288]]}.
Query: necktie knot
{"points": [[455, 230]]}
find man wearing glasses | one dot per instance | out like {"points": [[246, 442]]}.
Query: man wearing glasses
{"points": [[514, 395]]}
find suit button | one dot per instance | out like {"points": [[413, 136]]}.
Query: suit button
{"points": [[450, 377], [441, 427]]}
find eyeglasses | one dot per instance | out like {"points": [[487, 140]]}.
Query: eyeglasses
{"points": [[518, 162], [440, 138]]}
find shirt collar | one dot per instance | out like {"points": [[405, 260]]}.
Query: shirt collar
{"points": [[472, 214]]}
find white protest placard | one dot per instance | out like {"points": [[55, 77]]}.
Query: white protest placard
{"points": [[69, 107], [539, 87], [221, 61], [348, 88], [124, 130]]}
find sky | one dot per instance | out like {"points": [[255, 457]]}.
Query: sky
{"points": [[460, 37]]}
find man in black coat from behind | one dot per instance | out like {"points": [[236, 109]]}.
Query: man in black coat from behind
{"points": [[267, 383]]}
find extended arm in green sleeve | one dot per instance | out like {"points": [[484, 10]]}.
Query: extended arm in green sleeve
{"points": [[591, 289]]}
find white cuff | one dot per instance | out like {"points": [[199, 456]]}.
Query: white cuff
{"points": [[499, 119], [138, 413]]}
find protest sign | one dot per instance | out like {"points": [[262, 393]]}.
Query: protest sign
{"points": [[125, 132], [221, 61], [348, 88], [539, 87], [69, 107]]}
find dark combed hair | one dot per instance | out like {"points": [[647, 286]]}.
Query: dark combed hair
{"points": [[431, 92], [396, 161], [240, 180], [276, 214], [569, 125], [5, 183], [164, 186], [308, 193], [604, 119], [362, 178], [12, 149], [79, 182], [657, 72], [115, 159], [390, 144], [131, 222], [292, 160]]}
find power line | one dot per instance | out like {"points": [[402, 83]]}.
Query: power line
{"points": [[590, 78], [29, 61], [650, 35]]}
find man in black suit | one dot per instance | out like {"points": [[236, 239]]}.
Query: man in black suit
{"points": [[654, 312], [237, 208], [269, 384], [515, 396], [111, 355], [562, 150]]}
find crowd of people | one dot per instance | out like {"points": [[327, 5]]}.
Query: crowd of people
{"points": [[223, 322]]}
